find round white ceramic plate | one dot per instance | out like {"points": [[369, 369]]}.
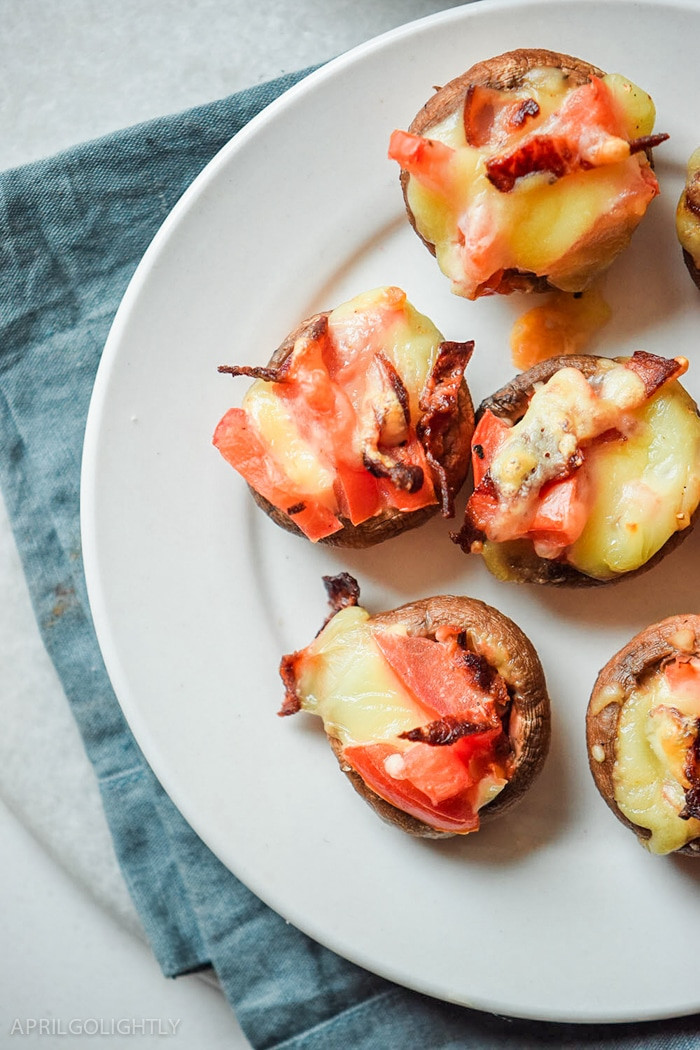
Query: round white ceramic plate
{"points": [[554, 912]]}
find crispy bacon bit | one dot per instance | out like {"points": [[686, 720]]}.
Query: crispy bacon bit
{"points": [[692, 772], [527, 108], [489, 114], [480, 106], [541, 153], [385, 424], [443, 731], [405, 476], [269, 374], [291, 702], [645, 142], [655, 371], [439, 405], [342, 590], [484, 674]]}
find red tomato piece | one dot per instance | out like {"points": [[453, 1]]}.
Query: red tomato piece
{"points": [[359, 495], [239, 442], [427, 160], [428, 671], [452, 812], [488, 437], [563, 510]]}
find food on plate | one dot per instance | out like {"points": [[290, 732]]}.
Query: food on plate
{"points": [[437, 711], [688, 218], [530, 171], [562, 324], [586, 470], [643, 735], [359, 426]]}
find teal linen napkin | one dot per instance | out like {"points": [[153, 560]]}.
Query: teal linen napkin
{"points": [[72, 230]]}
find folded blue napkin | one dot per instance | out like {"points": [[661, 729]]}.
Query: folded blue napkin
{"points": [[72, 230]]}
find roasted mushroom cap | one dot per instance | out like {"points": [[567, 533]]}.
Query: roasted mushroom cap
{"points": [[677, 636], [509, 72], [448, 454], [501, 642], [505, 648], [688, 218], [518, 561]]}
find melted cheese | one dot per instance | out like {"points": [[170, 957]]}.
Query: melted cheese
{"points": [[307, 471], [646, 488], [382, 318], [648, 773], [540, 222], [347, 682], [563, 414]]}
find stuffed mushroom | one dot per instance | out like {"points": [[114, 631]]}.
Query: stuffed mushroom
{"points": [[437, 711], [359, 426], [586, 470], [643, 735], [529, 171], [688, 218]]}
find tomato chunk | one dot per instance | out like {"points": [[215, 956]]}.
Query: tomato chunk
{"points": [[562, 510], [445, 778], [237, 439], [428, 160], [488, 437], [434, 677]]}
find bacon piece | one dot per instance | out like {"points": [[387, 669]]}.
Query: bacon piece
{"points": [[490, 115], [270, 374], [646, 142], [342, 590], [288, 673], [439, 405], [692, 772], [444, 731], [655, 371], [584, 133], [540, 153]]}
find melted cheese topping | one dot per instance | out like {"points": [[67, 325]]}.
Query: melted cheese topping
{"points": [[381, 318], [653, 736], [646, 485], [645, 488], [564, 413], [541, 225], [347, 682]]}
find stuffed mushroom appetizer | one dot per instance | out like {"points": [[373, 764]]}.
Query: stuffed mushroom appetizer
{"points": [[437, 711], [359, 426], [530, 171], [586, 470], [688, 218], [643, 735]]}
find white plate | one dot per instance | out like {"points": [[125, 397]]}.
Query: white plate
{"points": [[554, 912]]}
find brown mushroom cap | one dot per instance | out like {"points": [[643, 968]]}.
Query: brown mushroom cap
{"points": [[507, 72], [502, 643], [677, 635], [524, 566], [691, 267], [389, 522]]}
